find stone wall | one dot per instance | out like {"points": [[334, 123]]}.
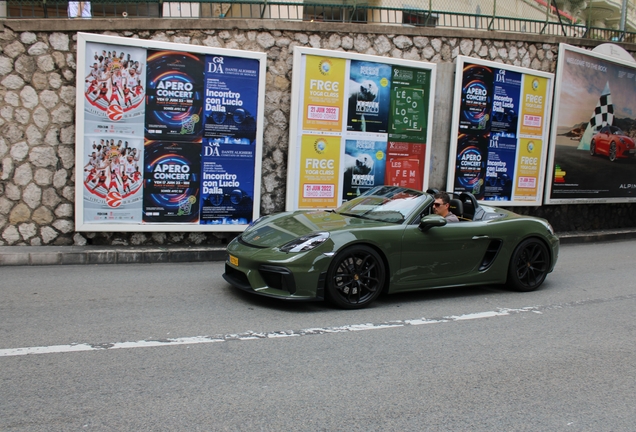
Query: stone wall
{"points": [[37, 111]]}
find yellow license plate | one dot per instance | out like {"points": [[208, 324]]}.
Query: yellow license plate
{"points": [[233, 260]]}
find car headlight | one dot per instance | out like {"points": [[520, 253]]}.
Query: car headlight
{"points": [[305, 243]]}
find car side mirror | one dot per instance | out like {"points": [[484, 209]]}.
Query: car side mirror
{"points": [[430, 221]]}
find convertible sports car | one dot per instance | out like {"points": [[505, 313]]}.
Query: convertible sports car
{"points": [[388, 240], [613, 143]]}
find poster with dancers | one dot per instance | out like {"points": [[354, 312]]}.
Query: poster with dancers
{"points": [[112, 179], [114, 92]]}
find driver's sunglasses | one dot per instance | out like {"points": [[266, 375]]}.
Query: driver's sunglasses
{"points": [[437, 204]]}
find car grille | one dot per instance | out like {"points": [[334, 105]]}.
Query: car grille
{"points": [[278, 277], [236, 278]]}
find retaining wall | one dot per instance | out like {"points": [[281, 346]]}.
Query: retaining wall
{"points": [[37, 110]]}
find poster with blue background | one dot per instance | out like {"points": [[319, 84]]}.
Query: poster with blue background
{"points": [[365, 166], [505, 103], [227, 182], [500, 168], [369, 96], [231, 99]]}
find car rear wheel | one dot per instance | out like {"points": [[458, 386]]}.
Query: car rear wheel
{"points": [[355, 277], [593, 148], [529, 265], [612, 152]]}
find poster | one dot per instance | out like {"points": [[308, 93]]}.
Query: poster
{"points": [[364, 167], [409, 101], [112, 180], [169, 136], [404, 164], [592, 152], [323, 93], [500, 167], [231, 104], [320, 162], [174, 98], [499, 129], [369, 96], [227, 183], [171, 181], [358, 121]]}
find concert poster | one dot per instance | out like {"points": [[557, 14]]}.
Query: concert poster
{"points": [[227, 183], [231, 99], [174, 97], [171, 182]]}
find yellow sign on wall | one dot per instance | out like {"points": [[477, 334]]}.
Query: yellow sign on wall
{"points": [[324, 93], [533, 100], [319, 171], [528, 169]]}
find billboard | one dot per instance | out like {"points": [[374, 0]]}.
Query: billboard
{"points": [[592, 153], [358, 121], [168, 136], [499, 132]]}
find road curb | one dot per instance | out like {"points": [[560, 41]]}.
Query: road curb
{"points": [[73, 255], [596, 236]]}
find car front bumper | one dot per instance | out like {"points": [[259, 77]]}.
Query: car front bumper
{"points": [[271, 273]]}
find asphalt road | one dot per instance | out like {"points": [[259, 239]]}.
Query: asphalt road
{"points": [[172, 347]]}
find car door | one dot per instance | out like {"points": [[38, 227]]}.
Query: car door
{"points": [[442, 255], [602, 144]]}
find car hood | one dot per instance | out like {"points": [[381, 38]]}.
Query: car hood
{"points": [[276, 230]]}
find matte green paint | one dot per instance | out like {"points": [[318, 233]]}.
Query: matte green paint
{"points": [[416, 259]]}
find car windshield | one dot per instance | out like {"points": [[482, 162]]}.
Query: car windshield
{"points": [[384, 203], [616, 131]]}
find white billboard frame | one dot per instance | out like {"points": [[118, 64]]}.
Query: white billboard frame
{"points": [[296, 113], [600, 53], [80, 224], [457, 99]]}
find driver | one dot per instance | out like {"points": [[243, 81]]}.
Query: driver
{"points": [[441, 207]]}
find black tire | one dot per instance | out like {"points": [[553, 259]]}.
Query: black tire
{"points": [[529, 266], [355, 278], [593, 148], [612, 152]]}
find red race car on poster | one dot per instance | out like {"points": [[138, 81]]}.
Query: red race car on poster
{"points": [[613, 143]]}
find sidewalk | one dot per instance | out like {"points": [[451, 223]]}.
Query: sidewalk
{"points": [[51, 255]]}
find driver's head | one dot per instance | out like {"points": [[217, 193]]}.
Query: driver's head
{"points": [[441, 204]]}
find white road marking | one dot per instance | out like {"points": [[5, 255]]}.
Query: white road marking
{"points": [[251, 335], [82, 347]]}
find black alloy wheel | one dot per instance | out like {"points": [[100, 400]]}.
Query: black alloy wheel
{"points": [[355, 278], [612, 152], [529, 265]]}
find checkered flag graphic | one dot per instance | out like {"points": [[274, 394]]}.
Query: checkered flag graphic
{"points": [[604, 112]]}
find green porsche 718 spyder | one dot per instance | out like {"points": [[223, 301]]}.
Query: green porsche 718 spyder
{"points": [[389, 240]]}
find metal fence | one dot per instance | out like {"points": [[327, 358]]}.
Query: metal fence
{"points": [[522, 16]]}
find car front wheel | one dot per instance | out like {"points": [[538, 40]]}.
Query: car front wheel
{"points": [[355, 277], [529, 265], [612, 152]]}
